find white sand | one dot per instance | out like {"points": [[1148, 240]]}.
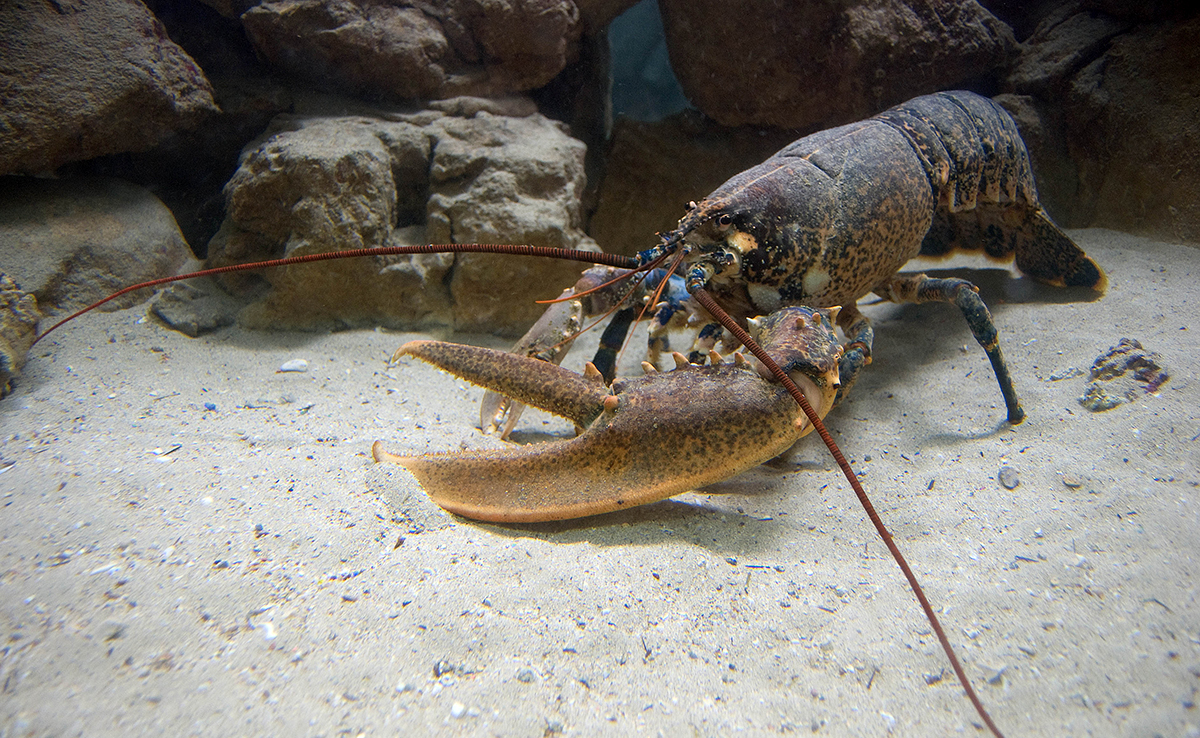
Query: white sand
{"points": [[139, 594]]}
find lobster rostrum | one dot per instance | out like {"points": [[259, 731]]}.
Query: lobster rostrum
{"points": [[822, 223]]}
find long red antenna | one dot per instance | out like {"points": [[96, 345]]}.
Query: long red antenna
{"points": [[702, 297], [590, 257], [712, 307]]}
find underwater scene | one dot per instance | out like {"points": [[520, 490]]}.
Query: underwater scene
{"points": [[599, 367]]}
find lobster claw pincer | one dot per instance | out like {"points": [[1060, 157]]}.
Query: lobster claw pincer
{"points": [[644, 439]]}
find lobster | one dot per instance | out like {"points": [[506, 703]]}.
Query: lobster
{"points": [[833, 216], [825, 221]]}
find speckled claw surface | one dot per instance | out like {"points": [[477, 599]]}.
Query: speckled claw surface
{"points": [[644, 439]]}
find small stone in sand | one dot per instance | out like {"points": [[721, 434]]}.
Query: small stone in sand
{"points": [[1008, 477], [295, 365]]}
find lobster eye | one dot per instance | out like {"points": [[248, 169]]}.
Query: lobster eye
{"points": [[724, 221]]}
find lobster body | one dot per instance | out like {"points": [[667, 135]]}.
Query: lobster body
{"points": [[835, 215]]}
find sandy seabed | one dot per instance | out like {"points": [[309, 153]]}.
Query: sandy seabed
{"points": [[194, 544]]}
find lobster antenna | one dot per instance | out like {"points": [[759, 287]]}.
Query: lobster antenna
{"points": [[621, 262], [706, 300], [590, 257]]}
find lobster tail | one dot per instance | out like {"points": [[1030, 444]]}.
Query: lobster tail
{"points": [[983, 182]]}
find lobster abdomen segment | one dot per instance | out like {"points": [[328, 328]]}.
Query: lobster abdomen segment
{"points": [[970, 148], [980, 172]]}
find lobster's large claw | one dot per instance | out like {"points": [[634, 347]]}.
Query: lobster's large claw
{"points": [[646, 438]]}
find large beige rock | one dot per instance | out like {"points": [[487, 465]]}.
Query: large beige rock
{"points": [[810, 65], [325, 183], [85, 79], [506, 180], [72, 242], [318, 184]]}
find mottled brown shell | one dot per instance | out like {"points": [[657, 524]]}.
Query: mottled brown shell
{"points": [[831, 216]]}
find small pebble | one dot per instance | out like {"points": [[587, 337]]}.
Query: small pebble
{"points": [[295, 365], [457, 710], [210, 406], [1068, 373], [1071, 482], [526, 676], [1008, 477]]}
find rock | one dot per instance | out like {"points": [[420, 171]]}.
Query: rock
{"points": [[1023, 16], [72, 242], [84, 79], [1131, 120], [814, 65], [18, 327], [513, 106], [506, 180], [1008, 477], [323, 183], [654, 169], [326, 183], [196, 307], [1107, 108], [1122, 374], [188, 169], [434, 49], [1060, 49]]}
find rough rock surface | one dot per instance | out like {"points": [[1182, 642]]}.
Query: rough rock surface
{"points": [[1109, 112], [321, 183], [506, 180], [434, 49], [811, 65], [72, 242], [316, 184], [18, 326], [1122, 374], [654, 169], [84, 79]]}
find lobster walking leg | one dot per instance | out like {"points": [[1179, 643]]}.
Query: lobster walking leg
{"points": [[918, 288], [611, 341], [860, 336]]}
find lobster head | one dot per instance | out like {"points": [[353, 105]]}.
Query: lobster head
{"points": [[758, 228]]}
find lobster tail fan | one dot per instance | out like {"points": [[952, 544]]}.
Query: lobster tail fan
{"points": [[1052, 257]]}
